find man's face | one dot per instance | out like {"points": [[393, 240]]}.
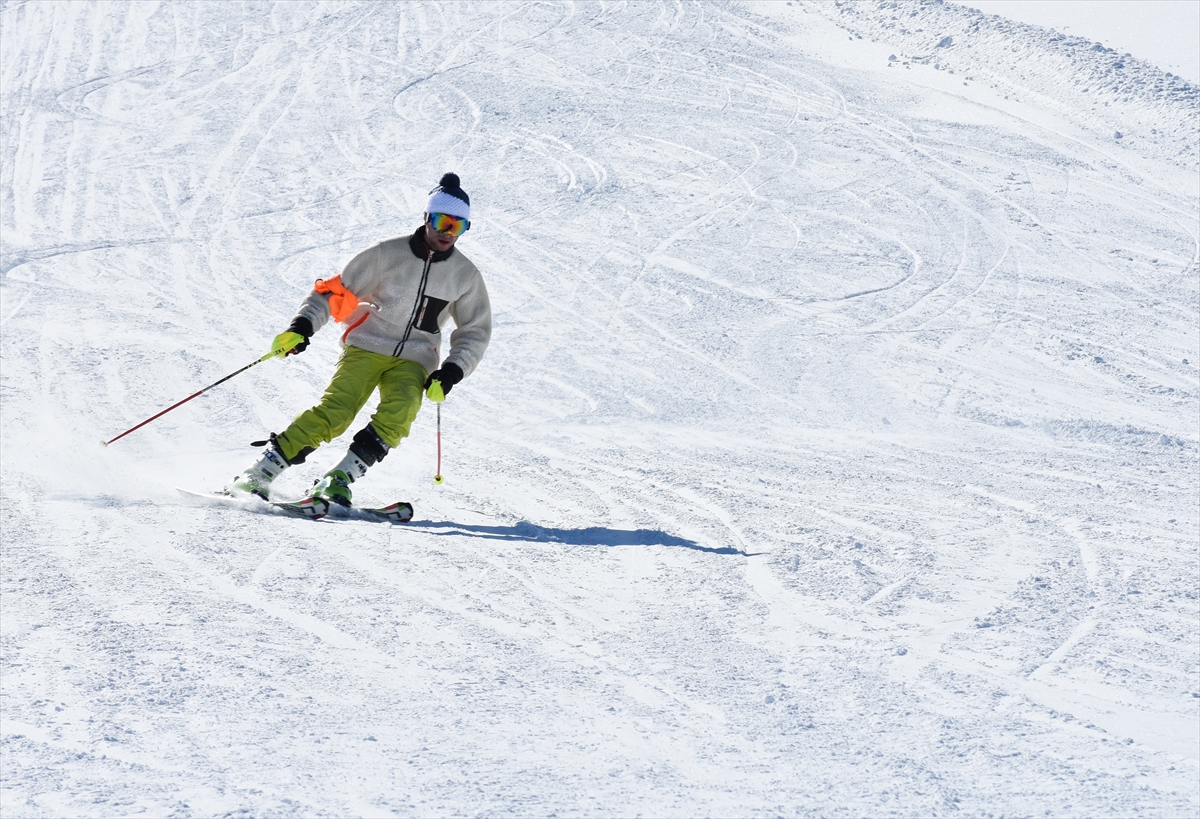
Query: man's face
{"points": [[438, 242]]}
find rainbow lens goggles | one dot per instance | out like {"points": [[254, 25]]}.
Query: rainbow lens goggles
{"points": [[447, 224]]}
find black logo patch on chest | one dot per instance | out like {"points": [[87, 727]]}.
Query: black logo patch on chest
{"points": [[427, 316]]}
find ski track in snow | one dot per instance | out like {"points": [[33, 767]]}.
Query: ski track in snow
{"points": [[836, 452]]}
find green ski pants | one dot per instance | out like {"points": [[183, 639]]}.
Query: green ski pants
{"points": [[358, 373]]}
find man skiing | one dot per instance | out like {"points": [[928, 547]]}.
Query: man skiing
{"points": [[394, 299]]}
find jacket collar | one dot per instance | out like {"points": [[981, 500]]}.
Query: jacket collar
{"points": [[416, 244]]}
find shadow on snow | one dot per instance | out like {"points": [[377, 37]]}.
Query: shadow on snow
{"points": [[591, 536]]}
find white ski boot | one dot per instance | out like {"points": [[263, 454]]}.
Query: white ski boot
{"points": [[366, 450], [257, 479]]}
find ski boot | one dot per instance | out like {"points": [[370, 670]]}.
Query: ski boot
{"points": [[365, 451], [257, 479], [334, 487]]}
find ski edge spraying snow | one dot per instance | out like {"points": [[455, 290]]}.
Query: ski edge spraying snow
{"points": [[309, 508]]}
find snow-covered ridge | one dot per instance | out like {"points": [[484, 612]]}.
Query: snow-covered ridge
{"points": [[1118, 95]]}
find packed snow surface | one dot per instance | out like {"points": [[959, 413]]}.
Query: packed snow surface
{"points": [[835, 453]]}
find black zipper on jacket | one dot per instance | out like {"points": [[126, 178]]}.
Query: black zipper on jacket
{"points": [[416, 305]]}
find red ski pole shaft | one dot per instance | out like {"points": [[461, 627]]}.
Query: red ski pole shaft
{"points": [[190, 397], [438, 477]]}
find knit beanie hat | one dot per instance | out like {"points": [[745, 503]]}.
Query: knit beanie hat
{"points": [[449, 198]]}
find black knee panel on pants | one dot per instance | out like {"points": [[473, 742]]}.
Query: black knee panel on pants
{"points": [[369, 446]]}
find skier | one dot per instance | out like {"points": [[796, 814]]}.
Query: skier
{"points": [[394, 299]]}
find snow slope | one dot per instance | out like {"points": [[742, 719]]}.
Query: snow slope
{"points": [[1162, 32], [1122, 97], [836, 452]]}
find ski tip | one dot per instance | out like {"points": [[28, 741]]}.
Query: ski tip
{"points": [[395, 513]]}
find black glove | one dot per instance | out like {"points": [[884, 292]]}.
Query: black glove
{"points": [[449, 374], [301, 326]]}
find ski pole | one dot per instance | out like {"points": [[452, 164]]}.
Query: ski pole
{"points": [[438, 479], [190, 397]]}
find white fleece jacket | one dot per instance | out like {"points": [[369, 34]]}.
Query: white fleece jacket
{"points": [[405, 300]]}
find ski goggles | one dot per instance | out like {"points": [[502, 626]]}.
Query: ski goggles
{"points": [[447, 224]]}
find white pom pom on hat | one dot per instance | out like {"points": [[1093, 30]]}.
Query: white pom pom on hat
{"points": [[449, 197]]}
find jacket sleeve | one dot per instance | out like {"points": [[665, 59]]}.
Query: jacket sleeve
{"points": [[472, 314], [360, 277]]}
